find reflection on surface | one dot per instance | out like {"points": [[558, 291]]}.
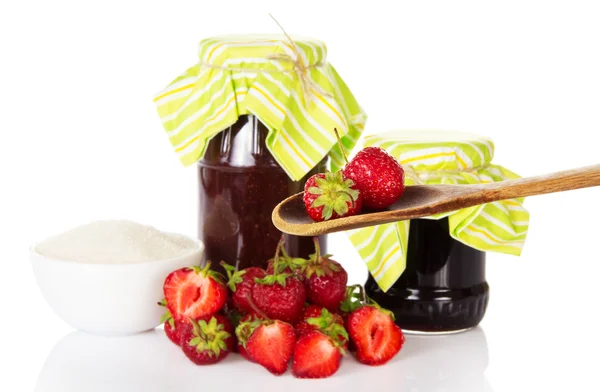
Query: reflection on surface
{"points": [[150, 362], [453, 363]]}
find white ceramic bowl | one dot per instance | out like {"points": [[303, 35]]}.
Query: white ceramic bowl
{"points": [[107, 299]]}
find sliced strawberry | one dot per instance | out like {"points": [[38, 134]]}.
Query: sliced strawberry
{"points": [[376, 337], [316, 355], [272, 345], [194, 292]]}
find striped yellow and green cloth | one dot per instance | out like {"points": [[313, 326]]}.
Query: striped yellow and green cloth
{"points": [[288, 85], [434, 157]]}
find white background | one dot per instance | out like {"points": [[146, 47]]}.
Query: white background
{"points": [[80, 140]]}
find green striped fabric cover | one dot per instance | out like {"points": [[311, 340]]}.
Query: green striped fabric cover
{"points": [[436, 157], [235, 76]]}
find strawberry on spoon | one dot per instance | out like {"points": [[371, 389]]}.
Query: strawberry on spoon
{"points": [[330, 196], [378, 176]]}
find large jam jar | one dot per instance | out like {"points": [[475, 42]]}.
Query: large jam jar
{"points": [[239, 185], [443, 288], [256, 114]]}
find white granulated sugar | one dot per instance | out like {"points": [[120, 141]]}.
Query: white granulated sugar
{"points": [[115, 242]]}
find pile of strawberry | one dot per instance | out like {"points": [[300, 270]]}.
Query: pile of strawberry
{"points": [[373, 180], [298, 310]]}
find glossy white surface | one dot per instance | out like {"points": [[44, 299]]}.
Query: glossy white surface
{"points": [[81, 141], [150, 362], [107, 299]]}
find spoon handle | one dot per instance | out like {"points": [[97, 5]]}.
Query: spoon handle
{"points": [[584, 177]]}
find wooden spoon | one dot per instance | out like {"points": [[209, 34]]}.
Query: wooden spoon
{"points": [[418, 201]]}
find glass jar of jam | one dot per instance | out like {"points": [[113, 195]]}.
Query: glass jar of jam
{"points": [[443, 288], [239, 185]]}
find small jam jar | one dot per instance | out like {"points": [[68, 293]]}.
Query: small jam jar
{"points": [[239, 185], [431, 272], [443, 288]]}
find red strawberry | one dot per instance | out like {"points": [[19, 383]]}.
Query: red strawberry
{"points": [[243, 332], [330, 196], [207, 340], [378, 176], [194, 292], [316, 356], [169, 324], [317, 318], [325, 280], [241, 283], [279, 296], [271, 345], [376, 337]]}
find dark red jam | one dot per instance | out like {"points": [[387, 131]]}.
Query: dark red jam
{"points": [[239, 185], [443, 288]]}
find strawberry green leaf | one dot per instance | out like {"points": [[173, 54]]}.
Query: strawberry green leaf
{"points": [[322, 183], [315, 190], [272, 279], [327, 212], [195, 341], [335, 194]]}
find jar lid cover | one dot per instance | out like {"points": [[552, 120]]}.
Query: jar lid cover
{"points": [[438, 157], [285, 82], [252, 51], [434, 150]]}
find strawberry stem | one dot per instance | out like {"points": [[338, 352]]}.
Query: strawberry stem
{"points": [[363, 294], [317, 249], [361, 290], [339, 140], [255, 308], [206, 268], [276, 258]]}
